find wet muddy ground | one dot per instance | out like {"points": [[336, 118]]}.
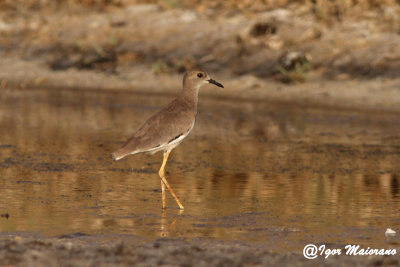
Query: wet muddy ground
{"points": [[256, 178]]}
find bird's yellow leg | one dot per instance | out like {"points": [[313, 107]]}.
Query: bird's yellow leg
{"points": [[163, 194], [161, 173]]}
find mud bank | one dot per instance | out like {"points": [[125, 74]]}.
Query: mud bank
{"points": [[124, 251]]}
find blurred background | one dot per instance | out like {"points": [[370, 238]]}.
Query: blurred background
{"points": [[284, 41]]}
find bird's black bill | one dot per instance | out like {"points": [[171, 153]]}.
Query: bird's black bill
{"points": [[215, 82]]}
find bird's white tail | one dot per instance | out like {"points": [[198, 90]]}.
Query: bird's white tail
{"points": [[117, 155]]}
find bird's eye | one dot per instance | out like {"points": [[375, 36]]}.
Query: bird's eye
{"points": [[199, 75]]}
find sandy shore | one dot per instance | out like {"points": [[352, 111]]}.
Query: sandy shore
{"points": [[372, 94]]}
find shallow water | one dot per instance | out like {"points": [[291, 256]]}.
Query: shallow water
{"points": [[283, 175]]}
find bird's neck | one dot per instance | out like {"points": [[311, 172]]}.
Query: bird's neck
{"points": [[191, 95]]}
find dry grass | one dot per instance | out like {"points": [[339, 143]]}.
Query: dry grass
{"points": [[326, 11], [323, 8]]}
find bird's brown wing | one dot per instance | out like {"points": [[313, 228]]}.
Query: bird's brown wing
{"points": [[174, 120]]}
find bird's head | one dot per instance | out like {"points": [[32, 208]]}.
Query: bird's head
{"points": [[197, 78]]}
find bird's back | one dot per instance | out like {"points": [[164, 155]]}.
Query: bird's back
{"points": [[174, 121]]}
